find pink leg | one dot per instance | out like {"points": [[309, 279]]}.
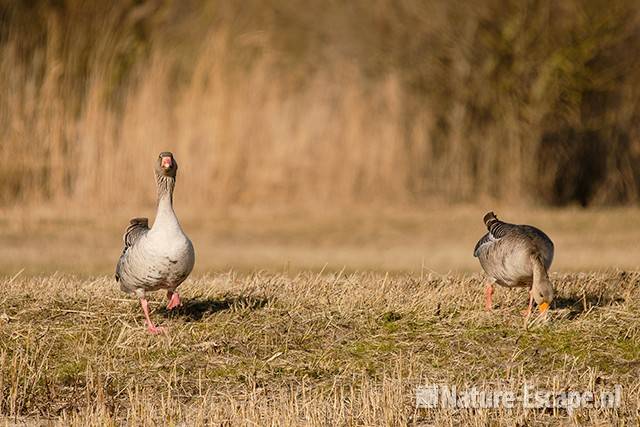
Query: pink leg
{"points": [[174, 300], [488, 296], [527, 312], [150, 326]]}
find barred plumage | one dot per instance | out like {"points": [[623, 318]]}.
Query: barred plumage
{"points": [[137, 227]]}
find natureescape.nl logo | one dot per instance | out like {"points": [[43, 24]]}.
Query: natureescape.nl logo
{"points": [[449, 396]]}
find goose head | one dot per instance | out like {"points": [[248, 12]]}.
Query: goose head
{"points": [[543, 294], [166, 165]]}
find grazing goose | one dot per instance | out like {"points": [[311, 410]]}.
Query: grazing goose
{"points": [[516, 256], [160, 257]]}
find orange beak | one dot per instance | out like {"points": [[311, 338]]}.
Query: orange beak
{"points": [[166, 162], [543, 307]]}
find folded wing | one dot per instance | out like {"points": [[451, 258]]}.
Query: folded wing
{"points": [[137, 228]]}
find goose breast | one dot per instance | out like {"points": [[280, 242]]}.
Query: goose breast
{"points": [[159, 260]]}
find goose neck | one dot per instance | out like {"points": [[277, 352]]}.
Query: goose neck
{"points": [[165, 214]]}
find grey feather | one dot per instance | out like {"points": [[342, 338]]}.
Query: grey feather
{"points": [[137, 228], [485, 240]]}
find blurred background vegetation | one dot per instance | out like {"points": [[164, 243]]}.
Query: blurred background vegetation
{"points": [[292, 102]]}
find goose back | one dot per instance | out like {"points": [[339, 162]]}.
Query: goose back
{"points": [[505, 252]]}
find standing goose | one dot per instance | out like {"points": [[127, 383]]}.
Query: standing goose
{"points": [[160, 257], [516, 256]]}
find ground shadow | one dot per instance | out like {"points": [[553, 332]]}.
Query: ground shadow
{"points": [[197, 308], [581, 304]]}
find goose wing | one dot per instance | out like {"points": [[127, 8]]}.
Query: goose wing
{"points": [[137, 228], [485, 241], [498, 230]]}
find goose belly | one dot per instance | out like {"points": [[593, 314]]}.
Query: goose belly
{"points": [[511, 268], [152, 266]]}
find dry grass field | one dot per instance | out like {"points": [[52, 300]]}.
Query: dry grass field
{"points": [[309, 349], [316, 319]]}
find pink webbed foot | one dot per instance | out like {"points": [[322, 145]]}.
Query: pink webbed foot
{"points": [[174, 300], [151, 328], [155, 330]]}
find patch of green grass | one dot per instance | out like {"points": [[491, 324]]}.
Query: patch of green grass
{"points": [[71, 372]]}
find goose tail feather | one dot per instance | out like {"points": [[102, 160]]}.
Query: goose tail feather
{"points": [[490, 219]]}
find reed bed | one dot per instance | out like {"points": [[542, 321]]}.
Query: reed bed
{"points": [[295, 103]]}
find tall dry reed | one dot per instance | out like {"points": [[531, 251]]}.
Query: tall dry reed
{"points": [[282, 102]]}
